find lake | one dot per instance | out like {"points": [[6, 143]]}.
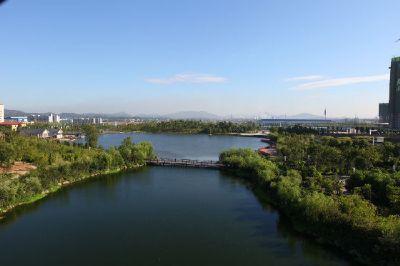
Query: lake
{"points": [[181, 146], [158, 216]]}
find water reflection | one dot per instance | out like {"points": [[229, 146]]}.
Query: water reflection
{"points": [[200, 147], [295, 240]]}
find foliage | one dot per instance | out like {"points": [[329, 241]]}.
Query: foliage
{"points": [[251, 162], [7, 154], [91, 135], [60, 163], [315, 202], [187, 126]]}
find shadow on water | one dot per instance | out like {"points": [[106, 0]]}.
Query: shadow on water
{"points": [[285, 229], [62, 195], [271, 221], [270, 227]]}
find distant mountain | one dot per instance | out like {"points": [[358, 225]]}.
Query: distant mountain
{"points": [[197, 115], [305, 116], [149, 116], [298, 116], [68, 115], [186, 115], [8, 112], [120, 114], [114, 115]]}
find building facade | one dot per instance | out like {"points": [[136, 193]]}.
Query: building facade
{"points": [[50, 118], [292, 122], [35, 132], [87, 121], [394, 94], [12, 125], [1, 113], [56, 133], [384, 113], [23, 119], [56, 118], [42, 133]]}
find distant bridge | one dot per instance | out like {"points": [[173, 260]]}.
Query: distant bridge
{"points": [[185, 163]]}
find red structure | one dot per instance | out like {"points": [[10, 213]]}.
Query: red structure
{"points": [[12, 125]]}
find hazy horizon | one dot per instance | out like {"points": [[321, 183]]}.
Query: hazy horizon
{"points": [[198, 113], [267, 58]]}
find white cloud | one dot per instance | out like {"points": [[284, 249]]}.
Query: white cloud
{"points": [[337, 82], [305, 78], [188, 78]]}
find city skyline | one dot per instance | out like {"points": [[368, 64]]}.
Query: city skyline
{"points": [[267, 58]]}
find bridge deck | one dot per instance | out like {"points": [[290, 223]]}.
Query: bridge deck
{"points": [[185, 163]]}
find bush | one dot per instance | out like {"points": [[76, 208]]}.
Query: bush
{"points": [[316, 206]]}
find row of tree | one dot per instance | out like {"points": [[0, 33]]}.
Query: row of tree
{"points": [[330, 128], [188, 126], [337, 155], [168, 126]]}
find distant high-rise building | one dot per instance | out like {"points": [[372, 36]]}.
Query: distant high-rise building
{"points": [[384, 113], [98, 120], [56, 118], [50, 118], [394, 94], [88, 120], [1, 113]]}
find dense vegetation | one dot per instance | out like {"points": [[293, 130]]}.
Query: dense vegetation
{"points": [[344, 192], [59, 164], [91, 135], [177, 126], [331, 128]]}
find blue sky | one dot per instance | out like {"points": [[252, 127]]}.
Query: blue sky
{"points": [[229, 57]]}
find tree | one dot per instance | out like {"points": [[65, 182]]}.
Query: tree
{"points": [[7, 154], [393, 194], [92, 135]]}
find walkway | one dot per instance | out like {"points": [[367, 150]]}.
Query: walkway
{"points": [[185, 163]]}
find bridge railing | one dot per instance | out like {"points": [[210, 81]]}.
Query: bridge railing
{"points": [[185, 162]]}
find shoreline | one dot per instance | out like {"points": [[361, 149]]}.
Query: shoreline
{"points": [[241, 175], [267, 197], [247, 135], [32, 199]]}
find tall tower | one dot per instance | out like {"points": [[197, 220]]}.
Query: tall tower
{"points": [[1, 113], [394, 94]]}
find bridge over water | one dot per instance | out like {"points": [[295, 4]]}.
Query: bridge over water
{"points": [[185, 163]]}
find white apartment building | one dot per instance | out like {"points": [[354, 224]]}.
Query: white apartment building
{"points": [[1, 113], [56, 118], [53, 118]]}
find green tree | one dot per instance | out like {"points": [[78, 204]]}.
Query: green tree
{"points": [[7, 154], [91, 135]]}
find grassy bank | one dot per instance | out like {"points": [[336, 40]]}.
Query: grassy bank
{"points": [[36, 197]]}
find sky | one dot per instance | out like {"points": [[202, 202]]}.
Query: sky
{"points": [[227, 57]]}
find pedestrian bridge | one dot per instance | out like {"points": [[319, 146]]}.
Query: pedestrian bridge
{"points": [[185, 163]]}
